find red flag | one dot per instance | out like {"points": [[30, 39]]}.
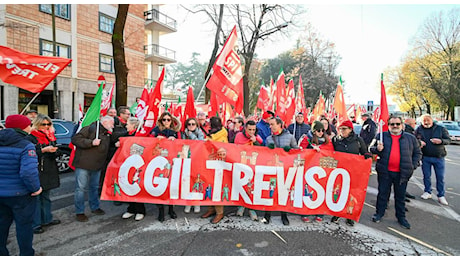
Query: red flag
{"points": [[384, 114], [142, 107], [320, 107], [227, 77], [376, 115], [264, 99], [339, 104], [190, 110], [27, 71], [107, 95], [351, 111], [300, 99], [290, 103], [153, 107], [214, 105]]}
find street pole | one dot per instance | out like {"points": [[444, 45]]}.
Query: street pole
{"points": [[55, 86]]}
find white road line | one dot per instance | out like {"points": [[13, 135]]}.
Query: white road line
{"points": [[419, 241]]}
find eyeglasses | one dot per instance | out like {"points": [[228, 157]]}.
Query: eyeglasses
{"points": [[166, 119], [322, 130], [191, 124], [236, 122], [395, 124], [48, 124]]}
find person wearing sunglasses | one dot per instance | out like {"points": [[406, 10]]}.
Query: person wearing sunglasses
{"points": [[347, 141], [192, 131], [168, 127], [43, 131], [398, 156], [317, 139]]}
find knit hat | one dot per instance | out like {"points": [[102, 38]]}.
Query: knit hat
{"points": [[267, 114], [347, 123], [17, 121], [317, 126]]}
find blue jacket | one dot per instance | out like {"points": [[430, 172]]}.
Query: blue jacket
{"points": [[300, 129], [264, 131], [18, 163], [409, 150]]}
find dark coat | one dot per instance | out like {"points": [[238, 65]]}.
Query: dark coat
{"points": [[409, 150], [300, 129], [18, 161], [47, 166], [368, 131], [87, 156], [436, 131], [351, 144]]}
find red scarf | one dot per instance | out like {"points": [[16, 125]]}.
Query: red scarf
{"points": [[44, 137]]}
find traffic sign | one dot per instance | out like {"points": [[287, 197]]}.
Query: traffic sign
{"points": [[101, 80]]}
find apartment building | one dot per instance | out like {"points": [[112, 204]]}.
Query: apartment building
{"points": [[83, 34]]}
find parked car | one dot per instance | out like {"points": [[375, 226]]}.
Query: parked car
{"points": [[357, 128], [64, 130], [453, 129]]}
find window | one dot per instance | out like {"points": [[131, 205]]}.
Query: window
{"points": [[106, 63], [46, 49], [60, 10], [106, 23]]}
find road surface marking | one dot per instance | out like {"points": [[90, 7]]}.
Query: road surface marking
{"points": [[420, 242]]}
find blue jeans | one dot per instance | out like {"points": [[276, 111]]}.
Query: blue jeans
{"points": [[439, 169], [385, 181], [43, 209], [21, 209], [86, 181]]}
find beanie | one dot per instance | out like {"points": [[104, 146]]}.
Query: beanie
{"points": [[17, 121], [267, 114], [347, 123], [317, 126]]}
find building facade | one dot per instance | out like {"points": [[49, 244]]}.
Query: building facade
{"points": [[83, 34]]}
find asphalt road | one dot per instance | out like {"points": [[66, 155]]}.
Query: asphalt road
{"points": [[435, 229]]}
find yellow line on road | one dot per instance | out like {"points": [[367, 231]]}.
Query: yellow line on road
{"points": [[419, 241]]}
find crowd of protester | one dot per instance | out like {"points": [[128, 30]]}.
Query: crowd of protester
{"points": [[30, 146]]}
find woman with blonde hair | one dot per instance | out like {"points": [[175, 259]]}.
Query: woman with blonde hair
{"points": [[43, 131]]}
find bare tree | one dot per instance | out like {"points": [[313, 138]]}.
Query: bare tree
{"points": [[118, 44]]}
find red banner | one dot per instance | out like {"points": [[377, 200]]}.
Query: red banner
{"points": [[27, 71], [191, 172]]}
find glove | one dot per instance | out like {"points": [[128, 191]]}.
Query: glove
{"points": [[287, 148], [271, 146], [367, 156]]}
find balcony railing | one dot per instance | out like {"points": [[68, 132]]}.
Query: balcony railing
{"points": [[156, 15], [155, 49]]}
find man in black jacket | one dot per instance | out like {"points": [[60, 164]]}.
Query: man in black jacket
{"points": [[399, 156], [433, 138], [368, 130]]}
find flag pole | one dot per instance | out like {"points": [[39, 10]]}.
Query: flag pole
{"points": [[97, 129], [204, 84], [30, 102]]}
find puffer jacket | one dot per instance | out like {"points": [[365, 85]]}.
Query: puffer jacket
{"points": [[218, 135], [351, 144], [87, 156], [18, 161], [409, 150], [282, 140], [436, 131]]}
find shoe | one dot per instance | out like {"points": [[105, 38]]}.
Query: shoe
{"points": [[240, 211], [82, 218], [443, 200], [196, 209], [266, 219], [318, 219], [98, 212], [52, 223], [161, 214], [172, 214], [305, 219], [285, 220], [127, 215], [404, 223], [376, 218], [335, 220], [410, 196], [217, 218], [253, 215], [187, 209], [139, 217], [350, 222], [38, 230], [407, 200], [426, 196], [211, 211]]}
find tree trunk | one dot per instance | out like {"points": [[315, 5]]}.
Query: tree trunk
{"points": [[121, 70]]}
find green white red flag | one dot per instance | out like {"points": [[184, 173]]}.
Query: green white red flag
{"points": [[107, 96]]}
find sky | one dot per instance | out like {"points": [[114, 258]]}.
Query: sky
{"points": [[369, 38]]}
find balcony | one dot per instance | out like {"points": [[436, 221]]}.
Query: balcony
{"points": [[157, 21], [157, 53]]}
